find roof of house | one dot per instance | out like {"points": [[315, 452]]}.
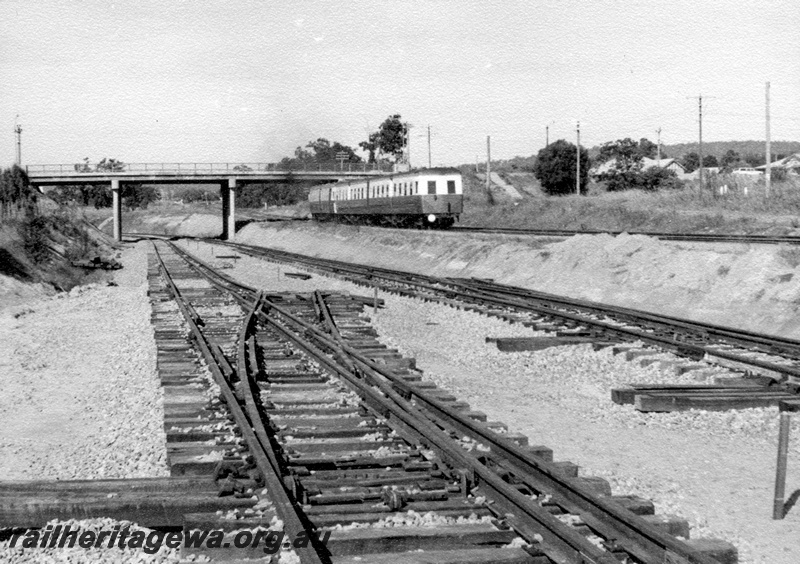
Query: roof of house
{"points": [[792, 161], [606, 167]]}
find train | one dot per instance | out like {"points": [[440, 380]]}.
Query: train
{"points": [[426, 198]]}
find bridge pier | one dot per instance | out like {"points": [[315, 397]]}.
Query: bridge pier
{"points": [[116, 207], [228, 193]]}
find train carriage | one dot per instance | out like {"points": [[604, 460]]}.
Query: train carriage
{"points": [[423, 198]]}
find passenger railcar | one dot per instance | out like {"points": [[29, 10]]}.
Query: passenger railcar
{"points": [[424, 198]]}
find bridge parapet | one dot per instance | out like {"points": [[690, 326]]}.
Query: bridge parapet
{"points": [[204, 169]]}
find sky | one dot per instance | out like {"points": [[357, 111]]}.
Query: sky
{"points": [[248, 81]]}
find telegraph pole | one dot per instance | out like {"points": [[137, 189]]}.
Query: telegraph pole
{"points": [[408, 144], [700, 150], [488, 160], [578, 161], [546, 135], [768, 169], [18, 135], [659, 146], [429, 146]]}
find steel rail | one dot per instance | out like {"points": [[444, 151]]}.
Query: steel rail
{"points": [[704, 329], [561, 543], [250, 428], [688, 237], [565, 544], [639, 539], [501, 298]]}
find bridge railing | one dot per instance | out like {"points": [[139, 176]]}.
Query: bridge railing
{"points": [[190, 169]]}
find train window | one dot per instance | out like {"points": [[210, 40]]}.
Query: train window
{"points": [[431, 186], [451, 186]]}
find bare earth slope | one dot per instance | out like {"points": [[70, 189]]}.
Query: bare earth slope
{"points": [[749, 286]]}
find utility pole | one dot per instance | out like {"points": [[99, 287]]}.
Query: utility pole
{"points": [[578, 161], [408, 144], [768, 169], [18, 134], [488, 160], [546, 135], [700, 150], [659, 146], [429, 146]]}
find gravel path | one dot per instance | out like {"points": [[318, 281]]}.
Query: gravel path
{"points": [[81, 398]]}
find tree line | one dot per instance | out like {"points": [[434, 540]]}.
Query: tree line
{"points": [[555, 165], [17, 196]]}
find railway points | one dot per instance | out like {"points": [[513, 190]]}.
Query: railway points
{"points": [[355, 435], [765, 368]]}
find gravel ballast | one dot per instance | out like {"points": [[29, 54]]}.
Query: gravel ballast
{"points": [[81, 398], [715, 469]]}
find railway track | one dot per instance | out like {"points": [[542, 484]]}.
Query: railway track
{"points": [[360, 438], [763, 369], [284, 413], [690, 237]]}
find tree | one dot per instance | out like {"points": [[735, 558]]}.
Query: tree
{"points": [[389, 140], [555, 168], [371, 146], [710, 161], [649, 149], [16, 192], [628, 150], [392, 137], [138, 195], [691, 161], [626, 170], [322, 151], [755, 159], [729, 159], [110, 165]]}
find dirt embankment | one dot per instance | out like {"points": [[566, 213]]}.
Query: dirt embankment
{"points": [[756, 287], [749, 286], [36, 256]]}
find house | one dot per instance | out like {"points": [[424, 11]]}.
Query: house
{"points": [[668, 164], [790, 164]]}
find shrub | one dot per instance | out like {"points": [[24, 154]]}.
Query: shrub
{"points": [[555, 168]]}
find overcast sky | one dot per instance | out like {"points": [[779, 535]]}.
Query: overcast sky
{"points": [[248, 81]]}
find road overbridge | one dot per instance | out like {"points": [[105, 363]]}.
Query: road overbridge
{"points": [[228, 176]]}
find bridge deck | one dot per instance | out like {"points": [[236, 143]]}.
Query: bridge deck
{"points": [[171, 173]]}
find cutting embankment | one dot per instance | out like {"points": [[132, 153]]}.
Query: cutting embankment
{"points": [[37, 256], [748, 286]]}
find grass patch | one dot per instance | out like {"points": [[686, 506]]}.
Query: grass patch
{"points": [[745, 208]]}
